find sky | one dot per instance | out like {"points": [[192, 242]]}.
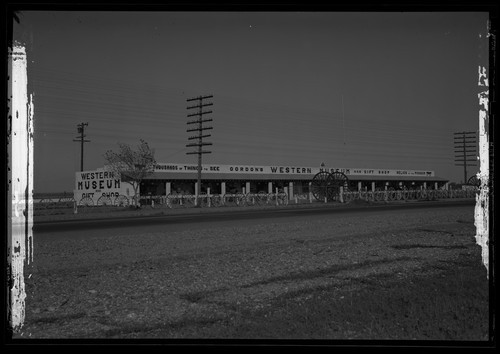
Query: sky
{"points": [[350, 89]]}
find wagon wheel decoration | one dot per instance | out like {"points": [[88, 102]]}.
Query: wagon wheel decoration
{"points": [[86, 201], [474, 181], [104, 201], [325, 184], [339, 180], [121, 200], [320, 186]]}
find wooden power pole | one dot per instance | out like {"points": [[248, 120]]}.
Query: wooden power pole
{"points": [[81, 131], [465, 150], [199, 137]]}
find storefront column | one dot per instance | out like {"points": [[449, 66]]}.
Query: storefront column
{"points": [[247, 187], [195, 193], [223, 188], [359, 186], [269, 187], [290, 190], [168, 188], [373, 186], [435, 185], [425, 185]]}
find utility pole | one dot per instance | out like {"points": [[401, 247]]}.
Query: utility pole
{"points": [[199, 128], [465, 149], [81, 131]]}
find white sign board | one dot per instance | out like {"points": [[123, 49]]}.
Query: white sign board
{"points": [[99, 183], [286, 170]]}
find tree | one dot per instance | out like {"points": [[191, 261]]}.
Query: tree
{"points": [[133, 166]]}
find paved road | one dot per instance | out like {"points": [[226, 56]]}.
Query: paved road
{"points": [[200, 221]]}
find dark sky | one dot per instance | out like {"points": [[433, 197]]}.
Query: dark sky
{"points": [[407, 80]]}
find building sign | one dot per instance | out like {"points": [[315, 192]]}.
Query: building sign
{"points": [[99, 183], [286, 170]]}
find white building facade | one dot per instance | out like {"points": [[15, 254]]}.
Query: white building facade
{"points": [[178, 178]]}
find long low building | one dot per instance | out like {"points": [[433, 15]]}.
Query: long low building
{"points": [[178, 178], [181, 178]]}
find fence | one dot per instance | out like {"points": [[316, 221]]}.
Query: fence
{"points": [[216, 200], [408, 194], [53, 203], [176, 201]]}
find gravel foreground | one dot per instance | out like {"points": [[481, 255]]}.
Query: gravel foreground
{"points": [[374, 277]]}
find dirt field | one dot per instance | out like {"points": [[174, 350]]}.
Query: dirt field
{"points": [[415, 275]]}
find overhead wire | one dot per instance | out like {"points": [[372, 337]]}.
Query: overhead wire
{"points": [[244, 123]]}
